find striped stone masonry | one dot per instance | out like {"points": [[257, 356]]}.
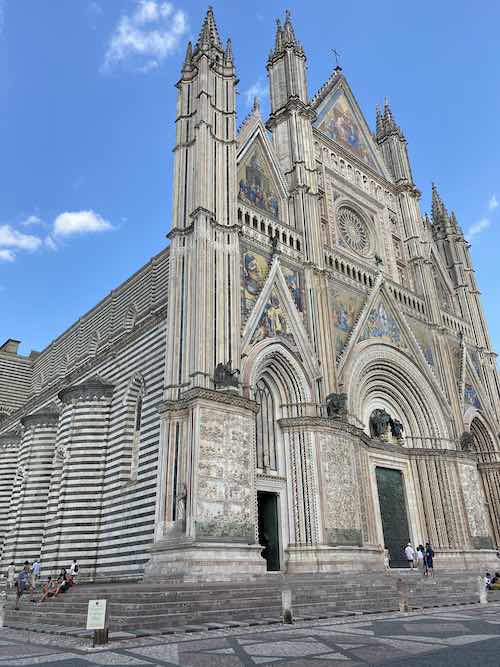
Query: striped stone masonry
{"points": [[9, 451], [28, 506]]}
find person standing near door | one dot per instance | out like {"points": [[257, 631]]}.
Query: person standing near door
{"points": [[410, 555], [429, 560]]}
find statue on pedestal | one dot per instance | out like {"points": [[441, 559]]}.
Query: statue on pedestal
{"points": [[467, 441], [336, 405], [379, 422], [225, 376], [396, 428]]}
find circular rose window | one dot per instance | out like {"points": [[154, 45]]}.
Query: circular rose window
{"points": [[353, 230]]}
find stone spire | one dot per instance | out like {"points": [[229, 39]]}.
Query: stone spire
{"points": [[439, 212], [379, 122], [188, 59], [209, 35], [228, 54], [386, 125], [285, 38]]}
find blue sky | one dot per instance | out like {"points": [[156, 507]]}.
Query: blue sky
{"points": [[87, 102]]}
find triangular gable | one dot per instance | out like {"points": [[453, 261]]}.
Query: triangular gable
{"points": [[347, 308], [340, 119], [278, 315], [260, 181], [382, 322]]}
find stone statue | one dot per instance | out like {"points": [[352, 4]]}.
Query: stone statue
{"points": [[225, 376], [379, 421], [275, 241], [180, 504], [336, 405], [396, 428], [466, 441]]}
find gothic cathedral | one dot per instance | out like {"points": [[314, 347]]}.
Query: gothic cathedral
{"points": [[302, 381]]}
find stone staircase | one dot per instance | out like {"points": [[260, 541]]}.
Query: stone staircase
{"points": [[143, 609]]}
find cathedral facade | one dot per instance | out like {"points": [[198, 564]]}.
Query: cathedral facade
{"points": [[302, 381]]}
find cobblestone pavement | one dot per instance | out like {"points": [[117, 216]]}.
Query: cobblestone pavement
{"points": [[462, 637]]}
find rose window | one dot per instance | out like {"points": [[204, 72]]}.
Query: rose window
{"points": [[353, 230]]}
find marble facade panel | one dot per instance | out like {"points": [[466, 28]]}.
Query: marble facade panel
{"points": [[475, 506]]}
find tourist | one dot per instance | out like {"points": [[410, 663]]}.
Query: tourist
{"points": [[495, 582], [62, 583], [11, 575], [429, 560], [22, 582], [420, 557], [73, 571], [48, 590], [410, 555], [35, 574]]}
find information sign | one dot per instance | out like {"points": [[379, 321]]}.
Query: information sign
{"points": [[96, 615]]}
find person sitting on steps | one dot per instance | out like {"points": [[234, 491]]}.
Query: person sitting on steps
{"points": [[48, 590]]}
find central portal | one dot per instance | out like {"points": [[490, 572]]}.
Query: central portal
{"points": [[267, 504], [393, 513]]}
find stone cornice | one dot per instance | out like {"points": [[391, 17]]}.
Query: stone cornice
{"points": [[10, 440], [48, 416], [93, 389], [224, 397]]}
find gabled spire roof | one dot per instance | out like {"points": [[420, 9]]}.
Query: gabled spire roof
{"points": [[439, 212], [209, 35]]}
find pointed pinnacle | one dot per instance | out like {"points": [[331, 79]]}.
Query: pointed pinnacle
{"points": [[209, 35], [189, 55], [379, 123], [438, 208], [256, 104], [288, 29], [228, 55]]}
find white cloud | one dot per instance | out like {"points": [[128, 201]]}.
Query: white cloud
{"points": [[6, 256], [31, 220], [479, 227], [11, 238], [258, 89], [493, 203], [80, 222], [147, 36]]}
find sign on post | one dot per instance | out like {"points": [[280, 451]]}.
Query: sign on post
{"points": [[96, 615]]}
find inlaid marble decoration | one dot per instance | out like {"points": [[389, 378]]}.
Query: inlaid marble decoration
{"points": [[336, 120], [256, 185], [471, 398], [424, 339], [346, 310], [456, 357], [476, 362], [474, 500], [255, 271], [381, 324], [273, 322]]}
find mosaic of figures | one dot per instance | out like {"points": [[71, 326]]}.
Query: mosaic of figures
{"points": [[471, 398], [256, 184], [346, 310], [381, 324], [273, 322], [337, 121], [255, 271], [424, 339]]}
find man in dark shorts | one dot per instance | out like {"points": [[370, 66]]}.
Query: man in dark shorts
{"points": [[22, 582], [429, 560]]}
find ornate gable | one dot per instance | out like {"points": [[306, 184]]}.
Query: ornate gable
{"points": [[340, 119]]}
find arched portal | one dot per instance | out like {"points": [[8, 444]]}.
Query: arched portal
{"points": [[488, 455], [285, 475]]}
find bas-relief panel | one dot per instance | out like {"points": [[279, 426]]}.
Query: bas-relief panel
{"points": [[476, 362], [340, 484], [256, 185], [273, 321], [225, 494], [346, 310], [424, 339], [337, 121], [474, 500], [381, 324], [471, 398], [456, 357]]}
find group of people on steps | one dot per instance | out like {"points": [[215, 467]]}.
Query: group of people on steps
{"points": [[28, 578], [422, 558]]}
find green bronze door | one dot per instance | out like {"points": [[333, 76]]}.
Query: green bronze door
{"points": [[392, 501]]}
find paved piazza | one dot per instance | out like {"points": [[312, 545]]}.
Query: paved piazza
{"points": [[468, 636]]}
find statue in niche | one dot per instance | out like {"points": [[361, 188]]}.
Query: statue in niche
{"points": [[467, 441], [396, 428], [275, 242], [379, 422], [336, 405], [225, 376], [180, 504]]}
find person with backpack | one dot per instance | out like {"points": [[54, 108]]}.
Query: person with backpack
{"points": [[22, 582], [429, 560]]}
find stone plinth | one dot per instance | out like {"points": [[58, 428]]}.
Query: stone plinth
{"points": [[324, 558]]}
